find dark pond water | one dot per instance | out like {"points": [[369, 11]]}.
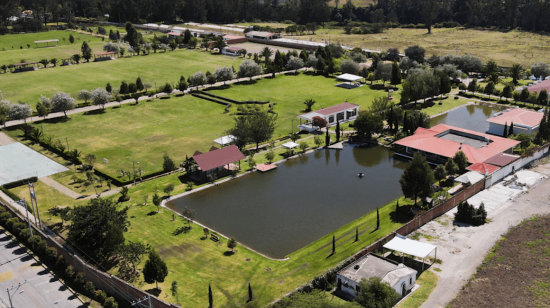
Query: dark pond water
{"points": [[470, 117], [285, 209]]}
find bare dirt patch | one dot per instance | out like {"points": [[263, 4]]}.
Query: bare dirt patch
{"points": [[516, 272]]}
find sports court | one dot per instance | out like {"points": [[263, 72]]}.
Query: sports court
{"points": [[19, 162]]}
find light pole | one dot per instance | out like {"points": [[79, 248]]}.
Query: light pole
{"points": [[134, 167]]}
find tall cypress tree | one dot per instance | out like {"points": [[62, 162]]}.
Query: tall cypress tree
{"points": [[327, 138], [356, 234], [505, 133], [333, 245], [405, 124], [337, 131], [511, 130], [377, 219], [249, 292], [397, 206], [390, 118]]}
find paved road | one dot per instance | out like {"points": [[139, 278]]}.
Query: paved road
{"points": [[38, 287]]}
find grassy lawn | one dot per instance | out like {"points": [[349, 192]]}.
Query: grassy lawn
{"points": [[144, 132], [64, 49], [432, 107], [156, 68], [428, 282], [506, 48]]}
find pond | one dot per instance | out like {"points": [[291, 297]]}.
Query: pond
{"points": [[470, 117], [305, 198]]}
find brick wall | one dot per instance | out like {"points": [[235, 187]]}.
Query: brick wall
{"points": [[282, 44]]}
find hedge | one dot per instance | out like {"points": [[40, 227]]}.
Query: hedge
{"points": [[20, 183], [210, 99], [118, 182], [234, 101], [10, 194]]}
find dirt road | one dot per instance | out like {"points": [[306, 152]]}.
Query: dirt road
{"points": [[463, 248]]}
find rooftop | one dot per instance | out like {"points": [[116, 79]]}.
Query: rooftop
{"points": [[431, 141], [520, 117], [232, 37], [501, 159], [483, 167], [46, 41], [374, 266], [260, 33], [545, 84], [218, 157]]}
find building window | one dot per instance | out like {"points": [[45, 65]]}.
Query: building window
{"points": [[331, 119], [340, 116], [411, 282]]}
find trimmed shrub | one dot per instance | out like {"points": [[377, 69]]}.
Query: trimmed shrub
{"points": [[51, 253], [41, 248], [61, 263], [11, 222], [467, 213], [4, 217], [110, 303], [10, 193], [24, 235], [100, 296], [18, 227], [70, 271], [80, 278], [20, 182], [89, 287], [34, 240]]}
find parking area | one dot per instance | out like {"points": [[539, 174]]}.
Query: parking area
{"points": [[27, 282]]}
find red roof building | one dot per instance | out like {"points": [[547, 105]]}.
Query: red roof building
{"points": [[216, 161], [525, 121], [545, 84], [483, 168], [441, 142], [232, 37], [502, 159]]}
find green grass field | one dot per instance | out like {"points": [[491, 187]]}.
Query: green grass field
{"points": [[64, 49], [195, 263], [156, 68], [506, 48]]}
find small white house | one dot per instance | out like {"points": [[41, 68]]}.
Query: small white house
{"points": [[525, 121], [340, 113], [400, 277]]}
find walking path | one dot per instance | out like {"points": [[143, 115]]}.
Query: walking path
{"points": [[5, 139], [128, 101], [62, 189]]}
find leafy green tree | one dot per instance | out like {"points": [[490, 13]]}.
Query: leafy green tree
{"points": [[155, 269], [507, 91], [71, 38], [489, 88], [444, 82], [524, 139], [168, 189], [543, 97], [168, 165], [86, 51], [97, 226], [472, 86], [139, 84], [231, 244], [62, 102], [417, 178], [100, 97], [415, 53], [440, 173], [451, 167], [368, 123], [133, 252], [375, 293], [461, 161], [156, 201], [174, 290]]}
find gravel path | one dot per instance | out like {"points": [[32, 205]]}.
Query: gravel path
{"points": [[62, 189]]}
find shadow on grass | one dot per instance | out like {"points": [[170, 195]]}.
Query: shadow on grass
{"points": [[94, 112], [152, 213], [222, 87], [154, 291], [228, 253], [180, 230], [247, 82]]}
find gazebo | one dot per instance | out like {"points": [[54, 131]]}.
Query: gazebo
{"points": [[23, 67], [218, 162], [411, 247], [290, 145], [104, 56], [350, 81]]}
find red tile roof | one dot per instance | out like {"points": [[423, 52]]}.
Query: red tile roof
{"points": [[218, 158], [338, 108], [427, 141], [174, 33], [545, 84], [232, 37], [482, 167], [519, 117], [501, 159]]}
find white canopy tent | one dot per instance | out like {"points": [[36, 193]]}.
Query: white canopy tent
{"points": [[290, 145], [411, 247], [470, 178], [349, 77], [225, 140]]}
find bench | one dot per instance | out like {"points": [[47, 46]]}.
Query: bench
{"points": [[214, 237]]}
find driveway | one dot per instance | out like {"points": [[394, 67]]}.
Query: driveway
{"points": [[28, 282], [462, 248]]}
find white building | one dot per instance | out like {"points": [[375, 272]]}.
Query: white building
{"points": [[525, 121], [262, 35], [400, 277], [342, 113]]}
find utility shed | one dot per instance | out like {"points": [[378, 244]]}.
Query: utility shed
{"points": [[400, 277]]}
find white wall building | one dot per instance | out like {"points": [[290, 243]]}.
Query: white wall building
{"points": [[400, 277], [525, 121], [342, 113]]}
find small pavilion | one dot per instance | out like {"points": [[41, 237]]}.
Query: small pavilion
{"points": [[23, 67], [411, 247], [217, 162], [56, 41], [105, 56], [350, 81], [225, 140]]}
